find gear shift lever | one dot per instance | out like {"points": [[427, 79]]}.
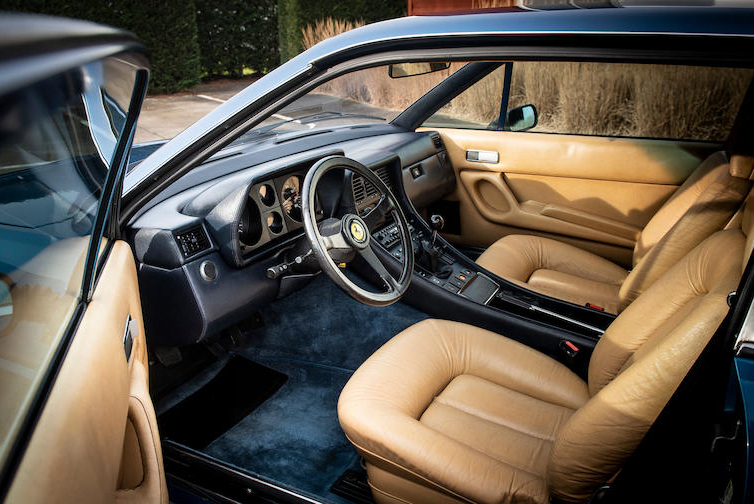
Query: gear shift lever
{"points": [[436, 222], [430, 257]]}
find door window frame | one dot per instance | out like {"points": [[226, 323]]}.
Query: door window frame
{"points": [[105, 226]]}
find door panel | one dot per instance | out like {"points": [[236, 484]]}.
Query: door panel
{"points": [[597, 193], [98, 429], [629, 203]]}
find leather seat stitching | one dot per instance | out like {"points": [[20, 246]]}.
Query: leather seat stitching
{"points": [[386, 494], [502, 385], [486, 454], [460, 407]]}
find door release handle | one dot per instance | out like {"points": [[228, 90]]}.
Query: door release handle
{"points": [[130, 332], [482, 156]]}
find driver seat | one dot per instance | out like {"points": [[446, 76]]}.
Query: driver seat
{"points": [[447, 412]]}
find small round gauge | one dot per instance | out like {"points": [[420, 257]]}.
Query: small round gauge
{"points": [[290, 195], [249, 228], [267, 195], [274, 222]]}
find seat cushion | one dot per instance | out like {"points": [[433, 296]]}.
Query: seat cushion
{"points": [[556, 269], [460, 411]]}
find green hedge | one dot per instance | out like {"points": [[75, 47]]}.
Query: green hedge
{"points": [[191, 38], [167, 28], [237, 34], [293, 15]]}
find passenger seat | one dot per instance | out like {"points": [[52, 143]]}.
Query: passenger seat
{"points": [[705, 203]]}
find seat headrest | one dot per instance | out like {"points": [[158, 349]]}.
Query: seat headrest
{"points": [[742, 166]]}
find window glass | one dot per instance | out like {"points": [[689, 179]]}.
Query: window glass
{"points": [[367, 96], [57, 139], [476, 108], [616, 99], [607, 99]]}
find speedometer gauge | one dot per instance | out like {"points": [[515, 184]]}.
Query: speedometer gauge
{"points": [[290, 196]]}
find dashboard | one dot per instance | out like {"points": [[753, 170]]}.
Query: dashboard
{"points": [[204, 246]]}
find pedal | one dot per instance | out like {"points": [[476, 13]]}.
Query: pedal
{"points": [[168, 356], [255, 321]]}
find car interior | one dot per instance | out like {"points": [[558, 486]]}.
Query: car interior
{"points": [[415, 283], [605, 262]]}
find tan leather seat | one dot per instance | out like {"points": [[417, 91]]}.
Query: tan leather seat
{"points": [[446, 412], [704, 204]]}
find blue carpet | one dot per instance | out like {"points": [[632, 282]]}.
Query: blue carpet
{"points": [[318, 337], [321, 324]]}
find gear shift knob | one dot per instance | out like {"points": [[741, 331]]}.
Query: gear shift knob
{"points": [[437, 222]]}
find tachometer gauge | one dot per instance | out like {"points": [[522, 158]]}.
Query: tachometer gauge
{"points": [[290, 196]]}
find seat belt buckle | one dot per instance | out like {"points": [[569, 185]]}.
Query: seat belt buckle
{"points": [[570, 349], [594, 307]]}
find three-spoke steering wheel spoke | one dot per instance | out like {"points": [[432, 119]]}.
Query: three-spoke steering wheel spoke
{"points": [[374, 262]]}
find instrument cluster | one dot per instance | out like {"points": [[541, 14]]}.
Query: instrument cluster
{"points": [[272, 209]]}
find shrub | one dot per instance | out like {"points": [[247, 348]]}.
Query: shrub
{"points": [[294, 15], [167, 28], [236, 34]]}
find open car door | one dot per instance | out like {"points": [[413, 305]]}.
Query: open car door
{"points": [[77, 423]]}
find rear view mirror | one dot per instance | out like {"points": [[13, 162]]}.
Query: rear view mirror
{"points": [[398, 70], [521, 118]]}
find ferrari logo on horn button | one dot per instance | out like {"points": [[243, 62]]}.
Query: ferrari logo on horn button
{"points": [[357, 231]]}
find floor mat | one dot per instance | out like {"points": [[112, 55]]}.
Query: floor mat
{"points": [[294, 437], [317, 337], [322, 324], [239, 388]]}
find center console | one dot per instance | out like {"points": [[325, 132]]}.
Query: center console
{"points": [[455, 277], [450, 273], [439, 263]]}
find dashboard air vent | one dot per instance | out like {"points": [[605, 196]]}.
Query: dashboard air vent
{"points": [[359, 189], [192, 241], [363, 189], [436, 140]]}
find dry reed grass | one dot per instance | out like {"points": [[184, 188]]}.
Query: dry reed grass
{"points": [[323, 29], [655, 101]]}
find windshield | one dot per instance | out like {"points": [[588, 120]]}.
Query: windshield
{"points": [[367, 96]]}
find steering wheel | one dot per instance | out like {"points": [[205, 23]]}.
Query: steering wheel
{"points": [[340, 240]]}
